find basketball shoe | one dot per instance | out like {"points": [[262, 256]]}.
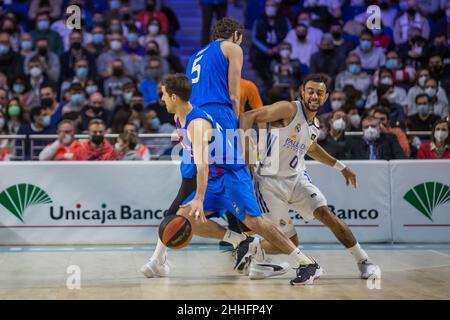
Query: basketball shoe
{"points": [[244, 252], [306, 274], [156, 269], [267, 269]]}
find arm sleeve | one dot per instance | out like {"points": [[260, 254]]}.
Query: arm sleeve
{"points": [[49, 151]]}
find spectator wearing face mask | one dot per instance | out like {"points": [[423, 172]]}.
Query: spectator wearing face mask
{"points": [[55, 43], [302, 46], [113, 85], [336, 143], [153, 53], [394, 93], [415, 52], [382, 115], [403, 76], [439, 146], [116, 52], [437, 107], [342, 45], [16, 116], [26, 45], [73, 55], [160, 107], [37, 80], [409, 19], [9, 25], [140, 148], [136, 107], [77, 99], [423, 120], [40, 124], [64, 147], [153, 74], [132, 45], [353, 75], [154, 34], [53, 7], [375, 145], [152, 12], [337, 100], [95, 109], [4, 143], [286, 74], [97, 44], [152, 124], [126, 146], [267, 34], [327, 59], [20, 88], [81, 74], [48, 59], [96, 148], [11, 63], [371, 57], [440, 72], [49, 100], [354, 119]]}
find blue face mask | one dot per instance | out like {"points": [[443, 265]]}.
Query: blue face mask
{"points": [[46, 121], [392, 64], [4, 49], [132, 37], [403, 5], [354, 68], [155, 123], [91, 89], [365, 45], [77, 99], [18, 88], [98, 38], [82, 72], [423, 109], [128, 96], [43, 25], [26, 45], [360, 103]]}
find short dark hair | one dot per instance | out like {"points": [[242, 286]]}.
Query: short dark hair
{"points": [[317, 77], [366, 32], [179, 85], [96, 122], [129, 138], [35, 112], [382, 110], [420, 95], [225, 27]]}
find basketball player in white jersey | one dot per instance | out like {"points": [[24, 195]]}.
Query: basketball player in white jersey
{"points": [[281, 181]]}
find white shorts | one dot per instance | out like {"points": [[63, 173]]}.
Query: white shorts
{"points": [[278, 195]]}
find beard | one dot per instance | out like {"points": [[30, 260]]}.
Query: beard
{"points": [[313, 105]]}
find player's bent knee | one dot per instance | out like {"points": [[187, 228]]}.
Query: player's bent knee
{"points": [[253, 223]]}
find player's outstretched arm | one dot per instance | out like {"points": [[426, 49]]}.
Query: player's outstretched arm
{"points": [[235, 57], [199, 131], [320, 154]]}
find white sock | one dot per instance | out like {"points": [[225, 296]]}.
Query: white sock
{"points": [[358, 253], [160, 252], [234, 238], [299, 258]]}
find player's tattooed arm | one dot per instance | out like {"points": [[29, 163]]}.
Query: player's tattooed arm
{"points": [[235, 57]]}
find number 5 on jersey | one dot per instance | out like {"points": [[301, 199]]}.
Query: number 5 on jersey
{"points": [[196, 68]]}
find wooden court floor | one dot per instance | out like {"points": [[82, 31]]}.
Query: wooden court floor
{"points": [[409, 272]]}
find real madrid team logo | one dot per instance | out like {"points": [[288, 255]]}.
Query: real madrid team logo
{"points": [[298, 127]]}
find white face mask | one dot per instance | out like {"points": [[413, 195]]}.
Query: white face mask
{"points": [[35, 72], [392, 97], [386, 80], [422, 81], [336, 104], [355, 120], [116, 45], [153, 29], [285, 53], [271, 11], [440, 135], [339, 124], [67, 139], [431, 92], [371, 134]]}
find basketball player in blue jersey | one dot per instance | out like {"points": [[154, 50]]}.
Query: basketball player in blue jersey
{"points": [[281, 180], [229, 188]]}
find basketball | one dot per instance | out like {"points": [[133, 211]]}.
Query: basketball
{"points": [[175, 232]]}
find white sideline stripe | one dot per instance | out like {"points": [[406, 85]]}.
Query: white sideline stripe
{"points": [[441, 253]]}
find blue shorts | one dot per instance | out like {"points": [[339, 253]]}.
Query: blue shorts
{"points": [[233, 191]]}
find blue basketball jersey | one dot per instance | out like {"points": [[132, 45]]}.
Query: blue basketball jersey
{"points": [[208, 72]]}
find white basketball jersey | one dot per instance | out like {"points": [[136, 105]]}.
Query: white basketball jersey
{"points": [[283, 149]]}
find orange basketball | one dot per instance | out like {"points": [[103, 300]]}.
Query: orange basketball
{"points": [[175, 231]]}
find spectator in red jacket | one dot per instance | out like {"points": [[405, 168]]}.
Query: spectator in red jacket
{"points": [[145, 16], [65, 146], [96, 148], [439, 147]]}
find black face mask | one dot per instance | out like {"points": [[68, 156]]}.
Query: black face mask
{"points": [[42, 51], [10, 31], [126, 17], [95, 110], [97, 140], [384, 6], [150, 7], [436, 69], [336, 35], [117, 72], [76, 45], [138, 107], [301, 37], [411, 11], [47, 102], [152, 52], [328, 51]]}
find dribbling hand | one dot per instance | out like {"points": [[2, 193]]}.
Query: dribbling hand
{"points": [[196, 209]]}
